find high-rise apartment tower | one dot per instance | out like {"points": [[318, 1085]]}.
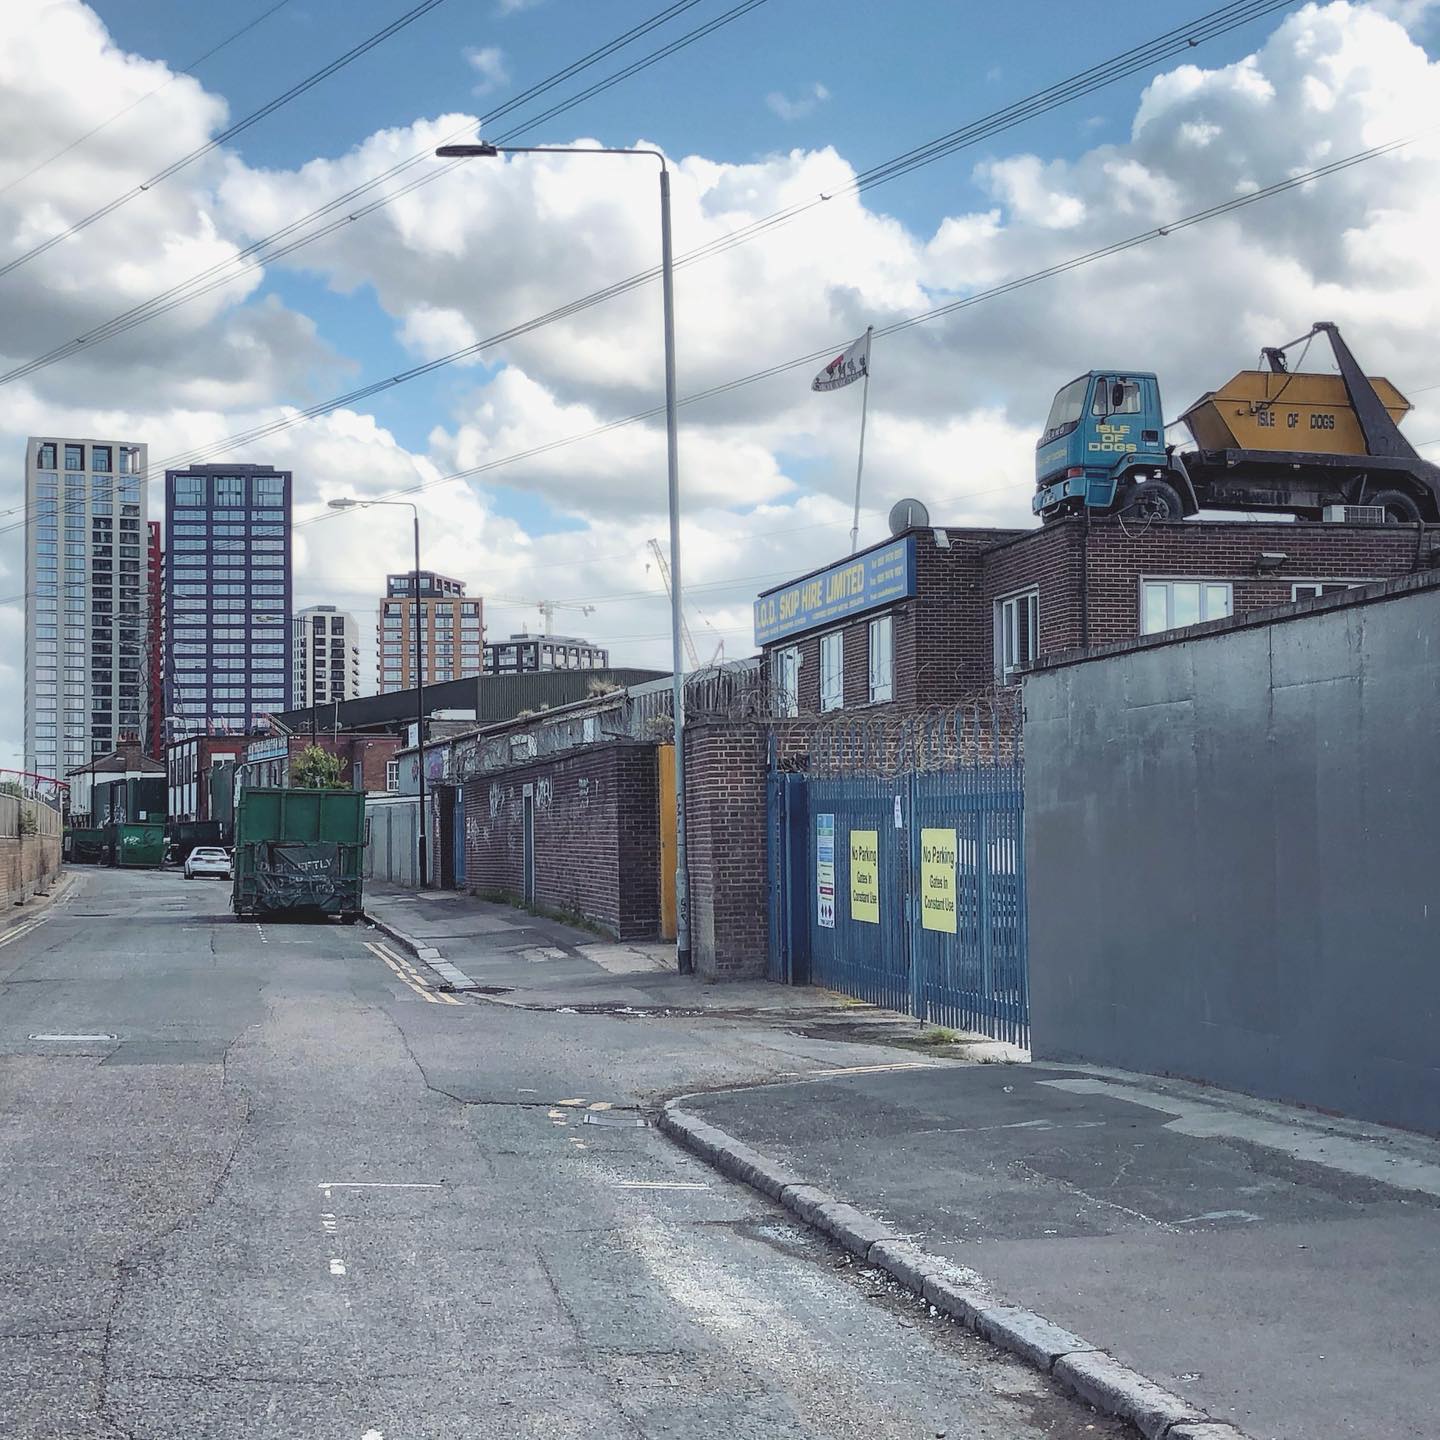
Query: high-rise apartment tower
{"points": [[326, 648], [86, 610], [451, 633], [227, 597]]}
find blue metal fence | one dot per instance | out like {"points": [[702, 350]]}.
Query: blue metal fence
{"points": [[905, 890]]}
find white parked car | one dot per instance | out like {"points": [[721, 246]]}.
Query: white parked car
{"points": [[208, 860]]}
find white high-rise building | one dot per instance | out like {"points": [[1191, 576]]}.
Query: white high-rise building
{"points": [[86, 599], [326, 646]]}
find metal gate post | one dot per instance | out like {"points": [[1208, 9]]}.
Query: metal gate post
{"points": [[983, 907], [913, 929]]}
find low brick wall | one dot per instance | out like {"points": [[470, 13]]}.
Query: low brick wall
{"points": [[28, 861], [725, 845], [596, 836]]}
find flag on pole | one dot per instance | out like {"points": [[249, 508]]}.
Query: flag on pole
{"points": [[846, 368]]}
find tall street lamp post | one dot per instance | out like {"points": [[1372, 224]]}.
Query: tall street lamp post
{"points": [[422, 825], [667, 273]]}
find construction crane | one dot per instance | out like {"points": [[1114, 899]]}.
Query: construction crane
{"points": [[686, 637], [547, 608]]}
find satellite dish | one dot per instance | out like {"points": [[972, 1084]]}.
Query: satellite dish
{"points": [[907, 515]]}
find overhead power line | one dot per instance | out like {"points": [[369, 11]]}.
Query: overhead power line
{"points": [[229, 133], [223, 273], [1205, 27], [1064, 267], [1075, 262], [149, 94]]}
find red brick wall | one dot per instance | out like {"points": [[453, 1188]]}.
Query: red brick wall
{"points": [[1088, 578], [725, 845], [597, 836], [1224, 551], [372, 751]]}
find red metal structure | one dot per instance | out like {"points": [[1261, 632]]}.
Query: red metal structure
{"points": [[155, 645]]}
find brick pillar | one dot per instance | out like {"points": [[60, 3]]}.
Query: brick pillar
{"points": [[725, 835]]}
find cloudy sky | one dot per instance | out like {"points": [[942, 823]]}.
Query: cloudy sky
{"points": [[782, 104]]}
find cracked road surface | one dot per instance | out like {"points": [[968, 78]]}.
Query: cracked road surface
{"points": [[264, 1187]]}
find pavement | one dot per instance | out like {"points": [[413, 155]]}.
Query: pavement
{"points": [[1275, 1268], [270, 1180], [531, 961]]}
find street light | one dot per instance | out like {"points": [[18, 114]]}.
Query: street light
{"points": [[484, 150], [349, 503]]}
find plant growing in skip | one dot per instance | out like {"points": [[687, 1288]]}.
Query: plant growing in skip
{"points": [[316, 769]]}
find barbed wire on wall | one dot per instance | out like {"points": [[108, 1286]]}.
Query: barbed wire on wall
{"points": [[983, 730]]}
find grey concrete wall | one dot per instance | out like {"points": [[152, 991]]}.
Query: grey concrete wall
{"points": [[1233, 862]]}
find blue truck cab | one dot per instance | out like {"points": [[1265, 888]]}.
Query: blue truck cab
{"points": [[1101, 427]]}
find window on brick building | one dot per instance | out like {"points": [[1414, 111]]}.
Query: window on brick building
{"points": [[882, 659], [1169, 604], [1017, 633], [392, 775], [832, 671], [785, 680], [1309, 589]]}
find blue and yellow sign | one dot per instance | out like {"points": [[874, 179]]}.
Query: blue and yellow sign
{"points": [[872, 579]]}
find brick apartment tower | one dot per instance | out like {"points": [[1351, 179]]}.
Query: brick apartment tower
{"points": [[451, 634]]}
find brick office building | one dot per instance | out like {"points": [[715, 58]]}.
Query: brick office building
{"points": [[935, 615], [366, 761]]}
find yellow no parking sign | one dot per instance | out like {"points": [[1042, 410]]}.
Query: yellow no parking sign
{"points": [[938, 855], [865, 876]]}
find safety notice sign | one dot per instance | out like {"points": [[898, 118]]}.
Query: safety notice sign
{"points": [[825, 870]]}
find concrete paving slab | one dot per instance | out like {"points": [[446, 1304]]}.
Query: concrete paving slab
{"points": [[1251, 1260]]}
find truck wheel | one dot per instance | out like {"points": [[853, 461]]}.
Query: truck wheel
{"points": [[1400, 508], [1153, 500]]}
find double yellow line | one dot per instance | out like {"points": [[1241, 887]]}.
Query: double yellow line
{"points": [[23, 929], [409, 975]]}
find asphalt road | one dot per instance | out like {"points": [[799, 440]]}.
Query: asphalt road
{"points": [[256, 1182]]}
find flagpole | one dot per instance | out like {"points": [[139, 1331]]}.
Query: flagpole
{"points": [[860, 461]]}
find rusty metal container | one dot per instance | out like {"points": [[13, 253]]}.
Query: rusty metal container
{"points": [[1269, 410]]}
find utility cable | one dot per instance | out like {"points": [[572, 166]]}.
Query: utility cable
{"points": [[149, 94], [1206, 27], [1075, 262], [1007, 287], [215, 277], [229, 133]]}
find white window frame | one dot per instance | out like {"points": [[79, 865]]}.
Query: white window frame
{"points": [[785, 679], [882, 686], [392, 776], [1311, 589], [1205, 582], [832, 671], [1012, 612]]}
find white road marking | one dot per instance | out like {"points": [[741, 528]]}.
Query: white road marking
{"points": [[865, 1069], [328, 1185], [658, 1185], [337, 1267], [1245, 1215], [260, 931], [579, 1101], [373, 1435]]}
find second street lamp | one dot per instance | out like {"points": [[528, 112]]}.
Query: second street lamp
{"points": [[421, 824], [484, 150]]}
